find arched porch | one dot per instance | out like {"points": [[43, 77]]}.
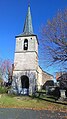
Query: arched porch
{"points": [[25, 85]]}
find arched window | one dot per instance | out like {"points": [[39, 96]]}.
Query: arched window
{"points": [[25, 44]]}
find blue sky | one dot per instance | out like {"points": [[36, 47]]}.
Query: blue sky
{"points": [[12, 17]]}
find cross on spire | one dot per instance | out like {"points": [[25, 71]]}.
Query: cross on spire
{"points": [[28, 2]]}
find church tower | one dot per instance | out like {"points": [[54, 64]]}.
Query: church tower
{"points": [[25, 72]]}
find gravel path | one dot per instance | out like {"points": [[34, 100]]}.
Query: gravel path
{"points": [[7, 113]]}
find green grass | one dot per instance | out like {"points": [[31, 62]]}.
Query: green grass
{"points": [[28, 103]]}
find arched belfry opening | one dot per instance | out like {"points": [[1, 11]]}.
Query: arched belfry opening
{"points": [[25, 84], [25, 44]]}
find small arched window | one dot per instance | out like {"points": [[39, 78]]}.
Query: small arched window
{"points": [[25, 44]]}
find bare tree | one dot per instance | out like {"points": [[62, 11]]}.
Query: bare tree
{"points": [[54, 38], [5, 69]]}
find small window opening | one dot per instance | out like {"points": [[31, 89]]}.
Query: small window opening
{"points": [[25, 44]]}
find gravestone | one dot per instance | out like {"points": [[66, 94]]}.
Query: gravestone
{"points": [[62, 95]]}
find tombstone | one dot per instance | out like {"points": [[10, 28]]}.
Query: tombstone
{"points": [[62, 93], [47, 90]]}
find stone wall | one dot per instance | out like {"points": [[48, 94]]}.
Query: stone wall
{"points": [[46, 77], [25, 61], [42, 77]]}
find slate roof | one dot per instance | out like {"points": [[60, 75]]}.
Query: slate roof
{"points": [[28, 28]]}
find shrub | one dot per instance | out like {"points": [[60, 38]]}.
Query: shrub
{"points": [[3, 90], [55, 92], [48, 83]]}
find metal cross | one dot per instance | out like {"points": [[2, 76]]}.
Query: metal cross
{"points": [[28, 2]]}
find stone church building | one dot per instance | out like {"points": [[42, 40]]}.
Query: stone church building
{"points": [[27, 74]]}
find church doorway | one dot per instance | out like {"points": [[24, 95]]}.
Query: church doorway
{"points": [[25, 85]]}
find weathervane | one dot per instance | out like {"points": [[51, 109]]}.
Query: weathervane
{"points": [[28, 2]]}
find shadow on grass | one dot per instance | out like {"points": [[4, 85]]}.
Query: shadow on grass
{"points": [[53, 100]]}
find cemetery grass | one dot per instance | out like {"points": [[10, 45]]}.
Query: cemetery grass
{"points": [[26, 102]]}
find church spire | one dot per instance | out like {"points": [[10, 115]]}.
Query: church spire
{"points": [[28, 28]]}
